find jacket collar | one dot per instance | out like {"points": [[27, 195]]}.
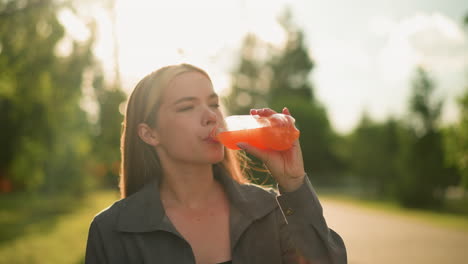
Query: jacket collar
{"points": [[143, 211], [248, 202]]}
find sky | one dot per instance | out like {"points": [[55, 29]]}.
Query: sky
{"points": [[365, 51]]}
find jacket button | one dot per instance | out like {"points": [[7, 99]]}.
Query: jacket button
{"points": [[289, 212]]}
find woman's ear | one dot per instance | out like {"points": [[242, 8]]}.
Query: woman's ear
{"points": [[148, 135]]}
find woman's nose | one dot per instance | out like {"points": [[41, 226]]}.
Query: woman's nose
{"points": [[209, 117]]}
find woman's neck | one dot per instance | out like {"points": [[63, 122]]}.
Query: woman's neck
{"points": [[189, 186]]}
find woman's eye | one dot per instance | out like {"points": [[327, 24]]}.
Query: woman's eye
{"points": [[215, 105], [185, 108]]}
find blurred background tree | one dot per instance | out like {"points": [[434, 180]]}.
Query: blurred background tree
{"points": [[456, 141], [456, 137], [106, 132], [371, 153], [110, 98], [251, 80], [423, 175], [46, 133]]}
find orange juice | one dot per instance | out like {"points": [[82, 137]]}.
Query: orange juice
{"points": [[274, 138]]}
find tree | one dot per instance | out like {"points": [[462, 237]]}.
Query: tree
{"points": [[456, 138], [424, 109], [109, 96], [45, 131], [372, 153], [456, 142], [106, 140], [291, 66], [251, 79], [423, 176]]}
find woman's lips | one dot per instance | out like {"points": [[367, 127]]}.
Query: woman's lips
{"points": [[211, 139], [213, 136]]}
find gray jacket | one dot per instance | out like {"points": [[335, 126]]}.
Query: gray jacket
{"points": [[264, 228]]}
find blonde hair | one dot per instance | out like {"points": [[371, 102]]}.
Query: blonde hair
{"points": [[140, 163]]}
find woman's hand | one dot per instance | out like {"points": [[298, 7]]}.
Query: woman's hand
{"points": [[287, 167]]}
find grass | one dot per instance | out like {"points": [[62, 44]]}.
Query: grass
{"points": [[47, 229], [457, 221]]}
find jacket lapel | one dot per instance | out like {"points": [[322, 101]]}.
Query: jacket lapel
{"points": [[248, 202], [144, 212]]}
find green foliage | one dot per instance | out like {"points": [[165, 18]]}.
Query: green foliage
{"points": [[291, 66], [46, 134], [456, 138], [404, 160], [372, 151], [425, 110], [29, 76], [106, 147], [423, 174], [456, 141]]}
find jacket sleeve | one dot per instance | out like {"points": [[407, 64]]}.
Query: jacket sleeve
{"points": [[95, 247], [305, 236]]}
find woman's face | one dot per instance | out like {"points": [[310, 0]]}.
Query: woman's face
{"points": [[188, 113]]}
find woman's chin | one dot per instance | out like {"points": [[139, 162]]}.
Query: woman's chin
{"points": [[217, 157]]}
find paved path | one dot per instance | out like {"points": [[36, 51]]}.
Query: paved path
{"points": [[376, 237]]}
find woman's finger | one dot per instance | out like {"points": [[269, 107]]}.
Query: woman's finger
{"points": [[268, 112], [262, 112]]}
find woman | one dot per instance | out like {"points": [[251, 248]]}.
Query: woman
{"points": [[185, 199]]}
